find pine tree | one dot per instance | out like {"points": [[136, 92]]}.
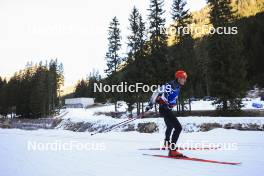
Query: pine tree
{"points": [[85, 88], [141, 35], [182, 53], [227, 64], [185, 43], [55, 80], [132, 38], [12, 94], [134, 72], [201, 76], [158, 38], [95, 78], [180, 14], [3, 103], [81, 89], [221, 12], [253, 37], [25, 88], [38, 95], [113, 58], [158, 67]]}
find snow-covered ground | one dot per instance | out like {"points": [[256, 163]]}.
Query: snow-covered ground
{"points": [[62, 152], [90, 114], [207, 105], [190, 124], [118, 154], [77, 114]]}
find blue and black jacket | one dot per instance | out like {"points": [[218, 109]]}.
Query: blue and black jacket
{"points": [[166, 95]]}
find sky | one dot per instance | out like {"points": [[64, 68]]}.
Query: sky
{"points": [[73, 31]]}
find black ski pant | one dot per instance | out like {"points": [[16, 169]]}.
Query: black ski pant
{"points": [[171, 122]]}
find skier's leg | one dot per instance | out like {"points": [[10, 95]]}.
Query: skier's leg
{"points": [[169, 127], [177, 130], [177, 127]]}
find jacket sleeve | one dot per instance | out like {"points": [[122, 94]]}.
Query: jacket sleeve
{"points": [[156, 93]]}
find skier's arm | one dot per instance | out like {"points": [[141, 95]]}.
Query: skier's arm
{"points": [[158, 92]]}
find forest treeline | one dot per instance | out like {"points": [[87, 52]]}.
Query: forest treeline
{"points": [[220, 66], [32, 92]]}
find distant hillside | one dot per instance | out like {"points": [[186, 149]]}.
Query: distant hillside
{"points": [[243, 8], [68, 90], [246, 8]]}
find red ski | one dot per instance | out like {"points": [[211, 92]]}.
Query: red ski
{"points": [[194, 159], [185, 148]]}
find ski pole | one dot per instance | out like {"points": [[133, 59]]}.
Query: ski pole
{"points": [[117, 125], [111, 127], [126, 122]]}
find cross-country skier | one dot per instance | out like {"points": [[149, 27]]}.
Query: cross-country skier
{"points": [[166, 96]]}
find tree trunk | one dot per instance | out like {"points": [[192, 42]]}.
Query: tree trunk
{"points": [[138, 107], [115, 109], [190, 106]]}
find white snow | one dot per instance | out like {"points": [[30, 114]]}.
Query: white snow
{"points": [[207, 105], [195, 105], [118, 152], [79, 114], [189, 123], [122, 157], [202, 105]]}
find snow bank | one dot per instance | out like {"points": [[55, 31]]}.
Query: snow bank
{"points": [[95, 119], [87, 120], [207, 105]]}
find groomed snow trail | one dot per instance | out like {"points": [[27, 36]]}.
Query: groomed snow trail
{"points": [[122, 157]]}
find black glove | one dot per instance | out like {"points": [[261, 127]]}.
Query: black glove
{"points": [[149, 107]]}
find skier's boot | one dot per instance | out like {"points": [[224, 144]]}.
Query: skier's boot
{"points": [[166, 144], [175, 153]]}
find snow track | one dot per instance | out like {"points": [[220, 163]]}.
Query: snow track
{"points": [[121, 154]]}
